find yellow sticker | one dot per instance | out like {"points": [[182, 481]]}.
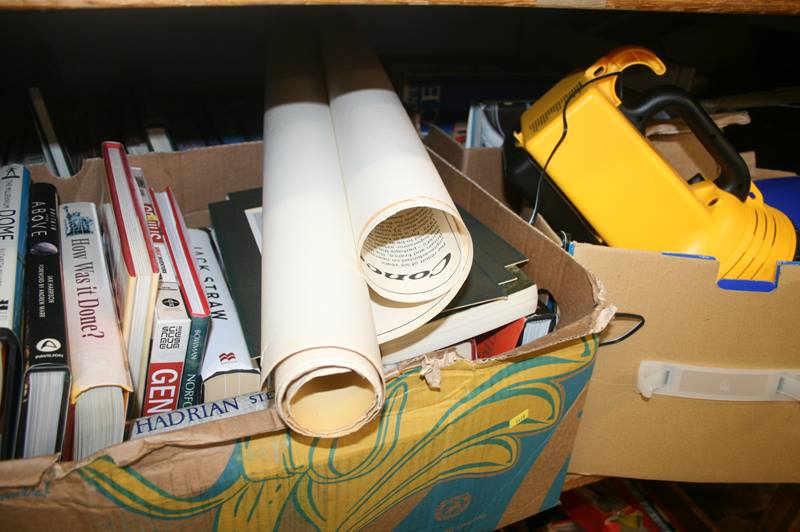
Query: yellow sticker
{"points": [[519, 418]]}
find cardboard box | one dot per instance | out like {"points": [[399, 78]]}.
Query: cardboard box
{"points": [[690, 319], [487, 448]]}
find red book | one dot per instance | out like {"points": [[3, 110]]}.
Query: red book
{"points": [[500, 340], [132, 261]]}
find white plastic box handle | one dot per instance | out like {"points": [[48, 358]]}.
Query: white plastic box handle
{"points": [[717, 384]]}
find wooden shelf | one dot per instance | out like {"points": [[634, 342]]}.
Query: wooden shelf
{"points": [[776, 7]]}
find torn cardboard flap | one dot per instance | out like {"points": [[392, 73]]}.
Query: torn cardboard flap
{"points": [[432, 364], [30, 472]]}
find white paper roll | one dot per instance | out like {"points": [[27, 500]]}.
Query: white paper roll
{"points": [[351, 199], [414, 248], [317, 331]]}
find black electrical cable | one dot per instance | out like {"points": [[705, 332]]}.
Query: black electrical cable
{"points": [[563, 136], [630, 332]]}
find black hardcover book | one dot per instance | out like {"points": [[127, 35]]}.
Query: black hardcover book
{"points": [[241, 259], [46, 385]]}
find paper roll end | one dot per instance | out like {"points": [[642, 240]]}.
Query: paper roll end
{"points": [[330, 401]]}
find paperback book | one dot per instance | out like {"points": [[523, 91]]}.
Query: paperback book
{"points": [[240, 250]]}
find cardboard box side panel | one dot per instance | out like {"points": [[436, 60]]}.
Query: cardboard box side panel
{"points": [[551, 463], [199, 177], [460, 455], [549, 266], [28, 473], [445, 146], [484, 165], [672, 438], [690, 320], [83, 186]]}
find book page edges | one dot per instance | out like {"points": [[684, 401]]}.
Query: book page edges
{"points": [[86, 376]]}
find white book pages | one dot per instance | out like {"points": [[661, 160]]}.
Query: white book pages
{"points": [[46, 388], [159, 139], [99, 420], [456, 326]]}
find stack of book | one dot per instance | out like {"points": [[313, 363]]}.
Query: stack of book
{"points": [[151, 327]]}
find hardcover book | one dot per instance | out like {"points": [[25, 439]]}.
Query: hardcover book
{"points": [[228, 368], [14, 190], [500, 340], [171, 323], [132, 262], [176, 236], [45, 392], [539, 324], [239, 251], [100, 377]]}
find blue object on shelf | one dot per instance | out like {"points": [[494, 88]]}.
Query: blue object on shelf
{"points": [[783, 193]]}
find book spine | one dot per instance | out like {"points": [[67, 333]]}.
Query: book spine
{"points": [[171, 335], [227, 349], [190, 381], [171, 325], [14, 187], [45, 344], [45, 341], [202, 413]]}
